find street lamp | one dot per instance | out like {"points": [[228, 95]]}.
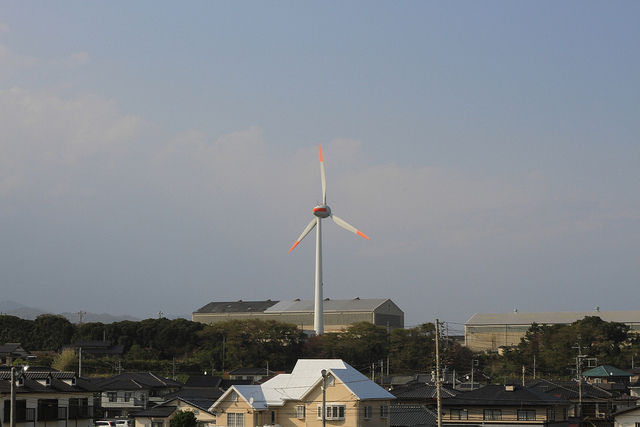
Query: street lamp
{"points": [[13, 392]]}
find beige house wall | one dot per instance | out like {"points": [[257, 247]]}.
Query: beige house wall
{"points": [[286, 415]]}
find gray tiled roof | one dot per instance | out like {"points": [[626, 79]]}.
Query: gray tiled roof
{"points": [[411, 416]]}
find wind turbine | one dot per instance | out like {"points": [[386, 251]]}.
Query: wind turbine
{"points": [[322, 211]]}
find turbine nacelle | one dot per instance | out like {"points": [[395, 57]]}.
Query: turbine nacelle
{"points": [[322, 211]]}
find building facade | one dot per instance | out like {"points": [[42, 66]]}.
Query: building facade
{"points": [[338, 314]]}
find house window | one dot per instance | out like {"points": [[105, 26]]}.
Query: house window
{"points": [[333, 412], [157, 423], [551, 414], [234, 397], [459, 414], [235, 419], [112, 396], [526, 414], [127, 396], [331, 381], [300, 412], [273, 417], [384, 411], [492, 414], [368, 410]]}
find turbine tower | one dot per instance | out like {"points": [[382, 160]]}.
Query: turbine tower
{"points": [[322, 211]]}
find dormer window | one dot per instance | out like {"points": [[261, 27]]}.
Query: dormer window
{"points": [[20, 382]]}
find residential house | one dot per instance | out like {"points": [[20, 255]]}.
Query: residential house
{"points": [[161, 415], [12, 351], [588, 401], [294, 400], [505, 405], [627, 417], [47, 398], [127, 393], [606, 374]]}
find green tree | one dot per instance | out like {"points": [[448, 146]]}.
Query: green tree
{"points": [[51, 332], [65, 361], [184, 419], [413, 350]]}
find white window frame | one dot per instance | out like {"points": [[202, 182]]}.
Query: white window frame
{"points": [[300, 410], [334, 411], [234, 396], [235, 419]]}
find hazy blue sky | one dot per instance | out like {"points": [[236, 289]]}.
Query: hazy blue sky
{"points": [[161, 155]]}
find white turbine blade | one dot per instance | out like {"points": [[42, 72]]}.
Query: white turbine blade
{"points": [[342, 223], [324, 181], [305, 232]]}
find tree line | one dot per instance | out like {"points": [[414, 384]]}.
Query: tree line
{"points": [[170, 346]]}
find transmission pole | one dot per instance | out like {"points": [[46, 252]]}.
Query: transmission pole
{"points": [[438, 379]]}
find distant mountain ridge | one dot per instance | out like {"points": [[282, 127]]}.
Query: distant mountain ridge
{"points": [[13, 308]]}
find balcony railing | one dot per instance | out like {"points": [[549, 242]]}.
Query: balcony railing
{"points": [[80, 412], [22, 415], [47, 413]]}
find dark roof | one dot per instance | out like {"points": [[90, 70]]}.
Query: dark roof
{"points": [[421, 391], [197, 396], [411, 416], [137, 381], [57, 381], [569, 389], [201, 381], [12, 349], [237, 307], [156, 411], [499, 395], [250, 371]]}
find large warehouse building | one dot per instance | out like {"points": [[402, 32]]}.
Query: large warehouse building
{"points": [[338, 314], [490, 331]]}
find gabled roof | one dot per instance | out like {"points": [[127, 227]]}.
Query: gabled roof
{"points": [[13, 349], [411, 416], [296, 306], [569, 389], [551, 318], [606, 371], [137, 381], [499, 395], [167, 408], [199, 381], [422, 391], [305, 376]]}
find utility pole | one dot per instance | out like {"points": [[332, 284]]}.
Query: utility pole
{"points": [[438, 379], [579, 379]]}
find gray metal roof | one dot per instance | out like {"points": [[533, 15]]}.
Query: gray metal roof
{"points": [[328, 305], [552, 318], [297, 306]]}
